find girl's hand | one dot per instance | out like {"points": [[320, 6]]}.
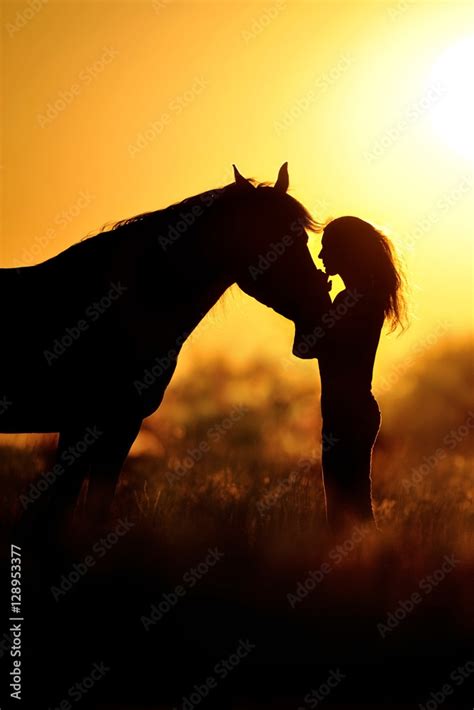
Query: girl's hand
{"points": [[324, 280]]}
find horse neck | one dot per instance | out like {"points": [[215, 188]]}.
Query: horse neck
{"points": [[202, 265], [174, 288], [193, 306]]}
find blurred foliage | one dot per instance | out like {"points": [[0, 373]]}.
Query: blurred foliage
{"points": [[235, 453]]}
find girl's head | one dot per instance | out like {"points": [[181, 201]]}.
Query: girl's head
{"points": [[365, 258]]}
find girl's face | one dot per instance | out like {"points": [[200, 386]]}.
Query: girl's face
{"points": [[331, 255]]}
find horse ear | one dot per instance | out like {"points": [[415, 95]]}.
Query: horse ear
{"points": [[239, 179], [283, 179]]}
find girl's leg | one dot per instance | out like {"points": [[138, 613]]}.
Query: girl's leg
{"points": [[346, 464]]}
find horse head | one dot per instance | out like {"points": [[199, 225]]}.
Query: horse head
{"points": [[271, 257]]}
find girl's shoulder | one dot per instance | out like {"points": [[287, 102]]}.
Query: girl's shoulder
{"points": [[359, 303]]}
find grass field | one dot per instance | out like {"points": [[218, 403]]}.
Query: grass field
{"points": [[230, 464]]}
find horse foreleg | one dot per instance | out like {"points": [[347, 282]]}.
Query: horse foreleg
{"points": [[106, 464], [50, 513]]}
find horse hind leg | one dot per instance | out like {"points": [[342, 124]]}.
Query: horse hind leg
{"points": [[106, 464]]}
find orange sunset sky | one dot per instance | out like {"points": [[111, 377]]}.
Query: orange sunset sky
{"points": [[114, 108]]}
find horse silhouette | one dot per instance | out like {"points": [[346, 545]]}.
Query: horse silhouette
{"points": [[91, 336]]}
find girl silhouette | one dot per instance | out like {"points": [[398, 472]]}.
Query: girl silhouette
{"points": [[346, 348]]}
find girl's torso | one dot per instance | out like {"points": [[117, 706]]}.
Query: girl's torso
{"points": [[348, 348]]}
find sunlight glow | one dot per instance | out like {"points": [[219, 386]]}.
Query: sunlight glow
{"points": [[453, 115]]}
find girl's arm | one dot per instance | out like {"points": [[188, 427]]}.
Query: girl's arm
{"points": [[308, 333]]}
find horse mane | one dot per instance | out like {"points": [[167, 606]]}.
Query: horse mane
{"points": [[153, 216], [295, 211]]}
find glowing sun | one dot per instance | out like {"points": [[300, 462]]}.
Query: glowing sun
{"points": [[453, 114]]}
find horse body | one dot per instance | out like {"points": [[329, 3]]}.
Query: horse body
{"points": [[81, 336], [92, 336]]}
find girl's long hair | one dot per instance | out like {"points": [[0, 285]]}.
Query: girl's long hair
{"points": [[374, 252]]}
